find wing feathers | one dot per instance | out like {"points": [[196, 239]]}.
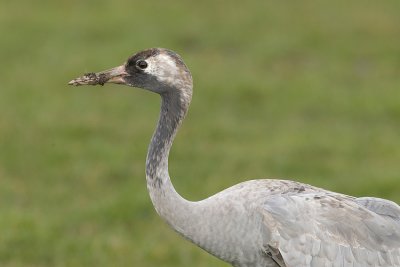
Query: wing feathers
{"points": [[328, 229]]}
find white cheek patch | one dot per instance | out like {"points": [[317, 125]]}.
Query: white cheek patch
{"points": [[163, 67]]}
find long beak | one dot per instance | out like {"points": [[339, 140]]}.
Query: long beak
{"points": [[114, 75]]}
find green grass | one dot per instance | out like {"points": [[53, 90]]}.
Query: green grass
{"points": [[305, 90]]}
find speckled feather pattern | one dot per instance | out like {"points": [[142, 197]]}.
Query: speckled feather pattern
{"points": [[260, 223]]}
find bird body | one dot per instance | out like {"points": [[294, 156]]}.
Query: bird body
{"points": [[271, 222], [257, 223]]}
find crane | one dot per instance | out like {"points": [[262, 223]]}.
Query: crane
{"points": [[256, 223]]}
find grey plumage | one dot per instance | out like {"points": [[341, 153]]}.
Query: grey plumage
{"points": [[257, 223]]}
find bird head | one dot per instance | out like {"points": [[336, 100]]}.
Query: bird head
{"points": [[158, 70]]}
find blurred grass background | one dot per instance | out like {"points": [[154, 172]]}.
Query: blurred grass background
{"points": [[306, 90]]}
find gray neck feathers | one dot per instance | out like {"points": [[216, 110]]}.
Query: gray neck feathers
{"points": [[173, 110], [167, 202], [190, 219]]}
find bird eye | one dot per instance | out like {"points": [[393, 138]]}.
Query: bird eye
{"points": [[141, 64]]}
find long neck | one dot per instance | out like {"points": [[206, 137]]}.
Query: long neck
{"points": [[199, 222], [167, 202]]}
